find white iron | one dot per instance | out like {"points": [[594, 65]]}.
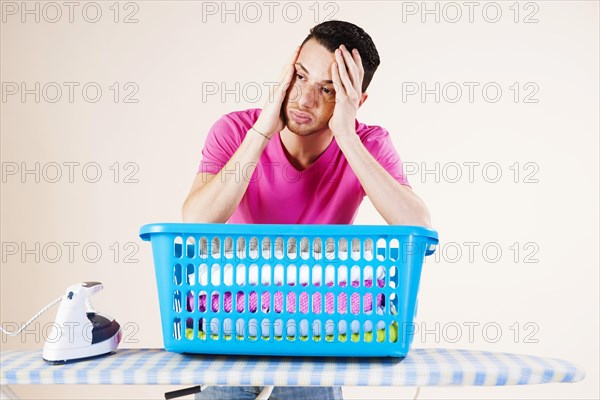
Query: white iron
{"points": [[79, 332]]}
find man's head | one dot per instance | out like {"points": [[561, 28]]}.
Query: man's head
{"points": [[311, 98]]}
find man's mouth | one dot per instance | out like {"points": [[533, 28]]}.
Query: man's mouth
{"points": [[300, 117]]}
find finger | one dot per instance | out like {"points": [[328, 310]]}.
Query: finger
{"points": [[359, 64], [352, 68], [286, 76], [344, 77], [337, 82], [291, 62]]}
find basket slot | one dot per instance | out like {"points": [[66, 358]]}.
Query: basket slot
{"points": [[316, 303], [177, 301], [215, 248], [367, 250], [343, 249], [203, 247], [227, 328], [190, 300], [292, 249], [355, 331], [317, 275], [342, 303], [304, 303], [189, 329], [240, 275], [317, 330], [393, 281], [227, 302], [177, 274], [290, 302], [356, 253], [329, 330], [177, 328], [329, 303], [253, 274], [368, 276], [253, 302], [215, 274], [303, 334], [215, 301], [330, 253], [253, 329], [381, 276], [329, 275], [304, 273], [394, 249], [342, 279], [240, 248], [355, 275], [354, 303], [265, 302], [203, 274], [253, 248], [380, 303], [202, 329], [278, 275], [202, 300], [267, 249], [290, 330], [279, 248], [190, 275], [190, 247], [278, 329], [228, 251], [381, 249], [278, 300], [291, 275], [178, 247], [342, 329], [317, 253]]}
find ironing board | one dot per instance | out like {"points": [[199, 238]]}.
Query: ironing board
{"points": [[422, 367]]}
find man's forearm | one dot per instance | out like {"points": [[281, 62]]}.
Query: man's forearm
{"points": [[396, 203], [217, 200]]}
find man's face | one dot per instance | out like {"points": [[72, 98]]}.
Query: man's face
{"points": [[311, 97]]}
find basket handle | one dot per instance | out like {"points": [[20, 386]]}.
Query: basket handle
{"points": [[431, 246]]}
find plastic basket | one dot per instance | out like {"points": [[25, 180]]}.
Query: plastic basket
{"points": [[306, 290]]}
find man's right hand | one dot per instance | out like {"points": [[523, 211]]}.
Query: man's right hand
{"points": [[270, 120]]}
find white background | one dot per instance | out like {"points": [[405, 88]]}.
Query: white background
{"points": [[542, 292]]}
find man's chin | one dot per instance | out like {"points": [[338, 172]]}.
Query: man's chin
{"points": [[300, 129]]}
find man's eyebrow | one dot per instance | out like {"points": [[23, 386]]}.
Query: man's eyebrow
{"points": [[327, 81]]}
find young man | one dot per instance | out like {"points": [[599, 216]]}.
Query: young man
{"points": [[304, 158]]}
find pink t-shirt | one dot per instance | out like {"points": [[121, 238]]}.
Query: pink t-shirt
{"points": [[327, 192]]}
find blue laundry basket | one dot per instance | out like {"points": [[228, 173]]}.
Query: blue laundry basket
{"points": [[302, 290]]}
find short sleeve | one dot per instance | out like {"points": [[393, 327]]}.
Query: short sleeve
{"points": [[380, 145], [222, 141]]}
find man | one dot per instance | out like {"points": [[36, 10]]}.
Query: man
{"points": [[309, 159]]}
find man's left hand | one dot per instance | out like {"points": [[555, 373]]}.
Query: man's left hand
{"points": [[347, 75]]}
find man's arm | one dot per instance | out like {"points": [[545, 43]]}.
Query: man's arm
{"points": [[396, 203], [215, 197]]}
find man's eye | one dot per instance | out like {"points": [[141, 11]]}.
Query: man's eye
{"points": [[326, 90], [298, 76]]}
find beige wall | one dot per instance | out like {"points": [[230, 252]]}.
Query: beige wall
{"points": [[170, 56]]}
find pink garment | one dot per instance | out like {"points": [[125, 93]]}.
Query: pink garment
{"points": [[328, 192], [291, 302]]}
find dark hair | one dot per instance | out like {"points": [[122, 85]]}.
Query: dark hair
{"points": [[332, 34]]}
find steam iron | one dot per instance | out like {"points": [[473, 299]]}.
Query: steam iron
{"points": [[79, 332]]}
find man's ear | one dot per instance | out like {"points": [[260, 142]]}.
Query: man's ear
{"points": [[363, 98]]}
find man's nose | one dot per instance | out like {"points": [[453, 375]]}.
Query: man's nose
{"points": [[307, 96]]}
